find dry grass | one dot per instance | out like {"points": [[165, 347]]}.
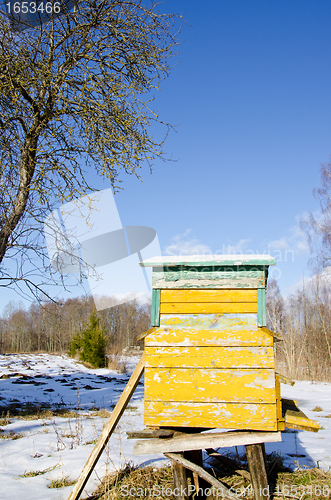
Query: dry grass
{"points": [[147, 482], [116, 363], [100, 413], [34, 473], [10, 435], [118, 485], [61, 482], [31, 411], [4, 420], [317, 408]]}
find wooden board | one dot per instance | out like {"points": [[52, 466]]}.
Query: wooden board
{"points": [[255, 454], [280, 419], [208, 296], [209, 357], [204, 441], [208, 337], [108, 430], [236, 261], [213, 415], [226, 322], [141, 336], [275, 335], [207, 308], [155, 310], [296, 419], [208, 301], [282, 379], [210, 385], [217, 277], [181, 475], [261, 307], [218, 282]]}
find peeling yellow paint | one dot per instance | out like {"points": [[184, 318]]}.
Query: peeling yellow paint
{"points": [[210, 385], [214, 415], [208, 337], [201, 295], [209, 357], [207, 308]]}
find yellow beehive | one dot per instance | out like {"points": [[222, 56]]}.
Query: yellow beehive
{"points": [[209, 360]]}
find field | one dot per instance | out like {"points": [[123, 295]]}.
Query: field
{"points": [[52, 410]]}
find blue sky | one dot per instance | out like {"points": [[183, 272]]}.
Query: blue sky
{"points": [[250, 97]]}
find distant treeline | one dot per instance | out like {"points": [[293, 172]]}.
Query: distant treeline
{"points": [[304, 320], [50, 327]]}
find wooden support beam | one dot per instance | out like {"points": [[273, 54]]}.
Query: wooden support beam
{"points": [[256, 462], [108, 430], [202, 441], [195, 456], [222, 489], [150, 433], [180, 480]]}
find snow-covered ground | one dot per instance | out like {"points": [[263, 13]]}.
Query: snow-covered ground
{"points": [[61, 446]]}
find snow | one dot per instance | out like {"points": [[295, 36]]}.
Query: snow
{"points": [[62, 445], [227, 259]]}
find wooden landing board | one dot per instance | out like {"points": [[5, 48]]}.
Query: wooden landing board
{"points": [[209, 357], [203, 441], [296, 419], [212, 415], [210, 385]]}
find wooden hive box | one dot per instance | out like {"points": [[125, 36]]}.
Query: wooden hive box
{"points": [[209, 360]]}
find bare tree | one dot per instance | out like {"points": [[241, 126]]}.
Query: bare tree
{"points": [[275, 307], [50, 327], [319, 229], [75, 96]]}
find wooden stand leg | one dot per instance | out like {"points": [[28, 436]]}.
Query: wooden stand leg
{"points": [[200, 484], [256, 462], [180, 480]]}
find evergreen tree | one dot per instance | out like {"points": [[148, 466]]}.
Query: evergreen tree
{"points": [[91, 343]]}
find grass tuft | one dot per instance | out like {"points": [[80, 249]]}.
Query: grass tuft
{"points": [[61, 482], [34, 473], [11, 435], [4, 420], [101, 413], [33, 411], [317, 408]]}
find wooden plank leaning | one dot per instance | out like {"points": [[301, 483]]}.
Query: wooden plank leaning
{"points": [[222, 489], [107, 430]]}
